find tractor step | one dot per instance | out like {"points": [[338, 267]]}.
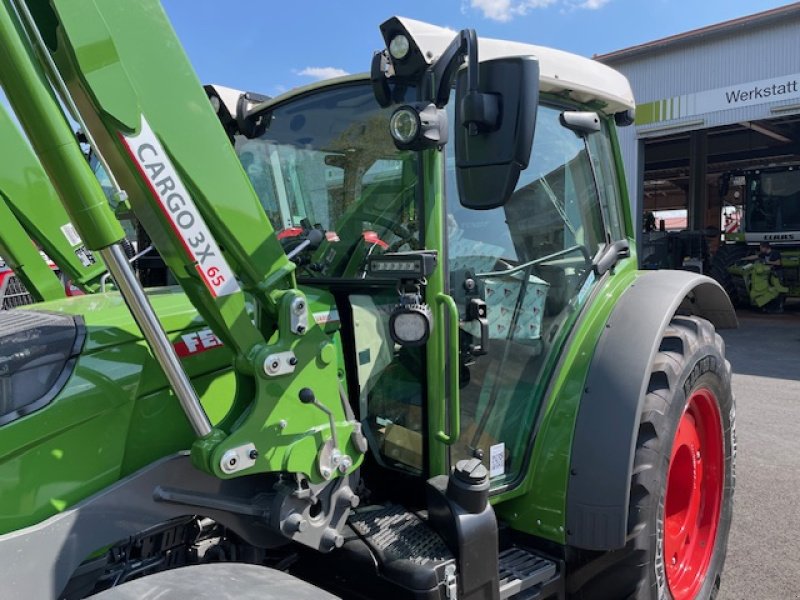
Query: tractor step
{"points": [[410, 553], [407, 549], [522, 573]]}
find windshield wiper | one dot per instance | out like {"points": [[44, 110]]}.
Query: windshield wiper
{"points": [[537, 261]]}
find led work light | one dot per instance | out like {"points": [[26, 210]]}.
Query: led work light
{"points": [[418, 126], [399, 47], [404, 125], [411, 321], [403, 266]]}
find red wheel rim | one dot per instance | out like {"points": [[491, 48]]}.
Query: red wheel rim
{"points": [[694, 495]]}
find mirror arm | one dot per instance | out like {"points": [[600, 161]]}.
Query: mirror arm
{"points": [[480, 112], [609, 255], [464, 45]]}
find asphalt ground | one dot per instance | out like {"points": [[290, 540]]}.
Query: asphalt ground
{"points": [[764, 547]]}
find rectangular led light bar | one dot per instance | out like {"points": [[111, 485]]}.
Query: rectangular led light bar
{"points": [[402, 265]]}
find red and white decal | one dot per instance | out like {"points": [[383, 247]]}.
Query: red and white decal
{"points": [[196, 342], [329, 316], [173, 198]]}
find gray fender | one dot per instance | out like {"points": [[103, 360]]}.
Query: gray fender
{"points": [[608, 418], [220, 581]]}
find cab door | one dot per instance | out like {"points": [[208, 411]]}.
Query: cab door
{"points": [[529, 263]]}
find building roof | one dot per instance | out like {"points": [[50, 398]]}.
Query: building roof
{"points": [[726, 27]]}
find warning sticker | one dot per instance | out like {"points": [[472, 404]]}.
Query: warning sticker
{"points": [[329, 316], [180, 210], [71, 234], [497, 460], [85, 256]]}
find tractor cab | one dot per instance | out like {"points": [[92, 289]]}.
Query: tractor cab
{"points": [[520, 260], [771, 199]]}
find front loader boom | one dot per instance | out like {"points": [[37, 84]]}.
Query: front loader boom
{"points": [[30, 201], [119, 61], [20, 254]]}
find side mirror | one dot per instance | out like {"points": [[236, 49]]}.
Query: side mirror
{"points": [[489, 159]]}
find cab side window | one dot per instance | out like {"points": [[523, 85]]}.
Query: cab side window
{"points": [[531, 262]]}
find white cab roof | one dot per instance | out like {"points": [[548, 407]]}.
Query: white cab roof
{"points": [[583, 79]]}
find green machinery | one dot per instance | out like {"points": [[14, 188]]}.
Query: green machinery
{"points": [[409, 354], [771, 213], [32, 217]]}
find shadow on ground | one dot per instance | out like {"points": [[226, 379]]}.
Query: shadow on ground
{"points": [[765, 537], [766, 345]]}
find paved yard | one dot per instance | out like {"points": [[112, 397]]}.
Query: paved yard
{"points": [[764, 551]]}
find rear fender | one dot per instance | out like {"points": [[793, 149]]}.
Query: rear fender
{"points": [[608, 418]]}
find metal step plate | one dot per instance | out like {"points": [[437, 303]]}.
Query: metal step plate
{"points": [[521, 570]]}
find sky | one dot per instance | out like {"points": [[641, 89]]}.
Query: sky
{"points": [[270, 46]]}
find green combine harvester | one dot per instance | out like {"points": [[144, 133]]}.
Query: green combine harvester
{"points": [[771, 199], [408, 355]]}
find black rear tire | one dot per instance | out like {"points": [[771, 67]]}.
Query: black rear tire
{"points": [[691, 358], [728, 255]]}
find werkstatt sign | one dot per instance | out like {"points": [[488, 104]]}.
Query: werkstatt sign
{"points": [[724, 98]]}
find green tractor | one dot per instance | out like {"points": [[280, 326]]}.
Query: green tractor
{"points": [[758, 264], [408, 355]]}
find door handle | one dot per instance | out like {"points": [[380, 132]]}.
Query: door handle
{"points": [[447, 312]]}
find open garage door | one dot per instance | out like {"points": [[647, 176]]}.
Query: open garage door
{"points": [[682, 176]]}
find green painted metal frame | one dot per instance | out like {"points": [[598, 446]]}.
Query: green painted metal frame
{"points": [[442, 349], [19, 252], [34, 204], [115, 415]]}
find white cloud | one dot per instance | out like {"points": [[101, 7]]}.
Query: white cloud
{"points": [[593, 4], [319, 73], [496, 10], [505, 10]]}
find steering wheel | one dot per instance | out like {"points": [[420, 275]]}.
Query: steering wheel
{"points": [[405, 236]]}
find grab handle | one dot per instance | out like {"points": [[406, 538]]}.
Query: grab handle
{"points": [[448, 353]]}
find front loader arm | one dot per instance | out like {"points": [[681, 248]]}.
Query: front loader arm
{"points": [[143, 105], [33, 204], [153, 124], [19, 252]]}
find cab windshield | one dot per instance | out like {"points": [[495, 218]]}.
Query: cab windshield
{"points": [[326, 161], [773, 202]]}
